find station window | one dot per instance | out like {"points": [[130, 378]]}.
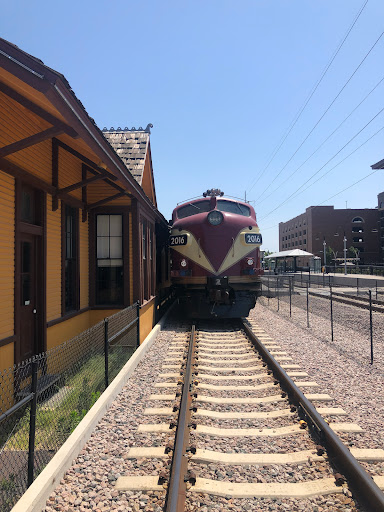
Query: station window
{"points": [[357, 230], [357, 220], [71, 291], [109, 259], [144, 240], [358, 239]]}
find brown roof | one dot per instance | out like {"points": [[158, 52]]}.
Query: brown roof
{"points": [[131, 145]]}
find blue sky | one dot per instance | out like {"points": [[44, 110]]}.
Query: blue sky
{"points": [[222, 81]]}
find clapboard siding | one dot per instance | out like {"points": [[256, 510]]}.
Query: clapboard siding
{"points": [[7, 256], [53, 261], [84, 265]]}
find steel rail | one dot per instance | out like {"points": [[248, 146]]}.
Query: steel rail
{"points": [[361, 483], [176, 494]]}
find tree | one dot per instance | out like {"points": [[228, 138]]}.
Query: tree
{"points": [[267, 263], [353, 252], [330, 255]]}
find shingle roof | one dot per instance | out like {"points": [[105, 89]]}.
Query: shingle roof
{"points": [[131, 145]]}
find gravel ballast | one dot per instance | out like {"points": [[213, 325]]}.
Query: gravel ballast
{"points": [[352, 383]]}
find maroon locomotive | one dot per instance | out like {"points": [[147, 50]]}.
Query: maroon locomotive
{"points": [[215, 256]]}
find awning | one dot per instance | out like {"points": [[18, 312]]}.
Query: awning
{"points": [[288, 254]]}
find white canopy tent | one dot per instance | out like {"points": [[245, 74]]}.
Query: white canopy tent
{"points": [[283, 255], [288, 254]]}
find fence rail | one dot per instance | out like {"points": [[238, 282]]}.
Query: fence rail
{"points": [[44, 399]]}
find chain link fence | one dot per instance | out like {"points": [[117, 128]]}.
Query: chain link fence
{"points": [[351, 317], [45, 398]]}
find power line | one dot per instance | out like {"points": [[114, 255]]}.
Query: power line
{"points": [[328, 108], [335, 195], [321, 145], [301, 110], [297, 191]]}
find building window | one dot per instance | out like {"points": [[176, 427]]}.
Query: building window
{"points": [[357, 239], [144, 237], [357, 230], [109, 260], [304, 232], [305, 241], [71, 259], [357, 220], [30, 206]]}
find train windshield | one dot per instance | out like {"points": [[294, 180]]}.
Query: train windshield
{"points": [[193, 209], [233, 207]]}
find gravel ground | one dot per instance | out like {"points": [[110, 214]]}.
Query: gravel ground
{"points": [[90, 483], [340, 368]]}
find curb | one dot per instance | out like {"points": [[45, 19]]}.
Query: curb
{"points": [[36, 496]]}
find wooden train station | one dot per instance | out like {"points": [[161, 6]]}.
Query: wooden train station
{"points": [[80, 233]]}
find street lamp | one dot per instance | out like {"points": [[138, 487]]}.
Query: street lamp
{"points": [[345, 254], [324, 246]]}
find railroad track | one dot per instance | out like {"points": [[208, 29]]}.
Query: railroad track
{"points": [[244, 424], [351, 300]]}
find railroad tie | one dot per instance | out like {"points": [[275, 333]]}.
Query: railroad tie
{"points": [[306, 489], [163, 428]]}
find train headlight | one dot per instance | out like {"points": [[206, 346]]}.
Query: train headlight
{"points": [[183, 263], [215, 217]]}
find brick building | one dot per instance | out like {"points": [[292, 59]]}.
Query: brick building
{"points": [[309, 230], [380, 206]]}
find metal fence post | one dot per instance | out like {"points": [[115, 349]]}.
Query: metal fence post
{"points": [[138, 324], [32, 424], [106, 352], [290, 296], [331, 301], [307, 304], [371, 323], [278, 294], [376, 289], [357, 286]]}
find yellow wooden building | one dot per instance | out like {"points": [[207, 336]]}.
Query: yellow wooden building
{"points": [[78, 221]]}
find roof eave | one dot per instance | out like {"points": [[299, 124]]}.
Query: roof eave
{"points": [[58, 91], [378, 165]]}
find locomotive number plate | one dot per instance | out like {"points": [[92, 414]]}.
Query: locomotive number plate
{"points": [[253, 238], [177, 240]]}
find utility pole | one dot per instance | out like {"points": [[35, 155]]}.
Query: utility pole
{"points": [[324, 246], [345, 254]]}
